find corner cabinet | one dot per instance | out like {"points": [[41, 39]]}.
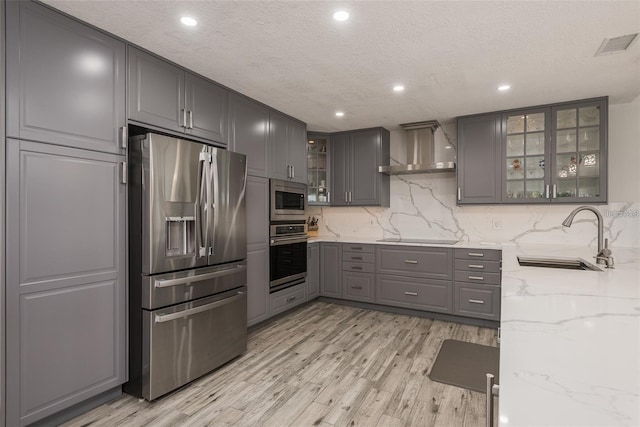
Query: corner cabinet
{"points": [[287, 148], [548, 154], [318, 149], [165, 95], [355, 158]]}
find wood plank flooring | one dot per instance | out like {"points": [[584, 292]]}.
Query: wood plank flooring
{"points": [[322, 365]]}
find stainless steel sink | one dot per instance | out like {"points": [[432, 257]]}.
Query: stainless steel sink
{"points": [[557, 262]]}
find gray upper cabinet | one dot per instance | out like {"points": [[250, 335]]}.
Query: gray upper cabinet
{"points": [[66, 281], [549, 154], [287, 148], [355, 158], [65, 81], [249, 132], [164, 95], [479, 159]]}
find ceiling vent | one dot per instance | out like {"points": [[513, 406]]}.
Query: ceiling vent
{"points": [[616, 44]]}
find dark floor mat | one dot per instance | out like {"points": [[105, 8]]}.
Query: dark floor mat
{"points": [[466, 365]]}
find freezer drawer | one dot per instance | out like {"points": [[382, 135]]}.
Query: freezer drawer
{"points": [[183, 342]]}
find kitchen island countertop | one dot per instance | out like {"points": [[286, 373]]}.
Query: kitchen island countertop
{"points": [[570, 339]]}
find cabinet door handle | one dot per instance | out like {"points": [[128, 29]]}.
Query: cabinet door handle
{"points": [[476, 254], [459, 194], [328, 196], [413, 294], [350, 197], [183, 114], [346, 197], [356, 287], [289, 299], [476, 301], [123, 178], [476, 266], [476, 278], [123, 137], [554, 191], [356, 248], [190, 119], [410, 261], [293, 171], [356, 267], [546, 191]]}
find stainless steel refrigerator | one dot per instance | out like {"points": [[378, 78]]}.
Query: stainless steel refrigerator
{"points": [[187, 270]]}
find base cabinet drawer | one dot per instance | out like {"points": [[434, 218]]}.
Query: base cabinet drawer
{"points": [[477, 277], [358, 286], [482, 302], [355, 247], [361, 267], [477, 265], [359, 257], [287, 298], [433, 263], [478, 254], [421, 294]]}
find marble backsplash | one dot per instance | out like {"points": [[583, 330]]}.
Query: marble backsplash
{"points": [[424, 206]]}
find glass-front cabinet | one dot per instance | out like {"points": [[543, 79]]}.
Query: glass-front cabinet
{"points": [[579, 162], [317, 169], [555, 154]]}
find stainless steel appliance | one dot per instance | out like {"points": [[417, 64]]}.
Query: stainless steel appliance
{"points": [[187, 270], [288, 201], [287, 255]]}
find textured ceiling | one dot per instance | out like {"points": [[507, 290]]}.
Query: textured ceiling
{"points": [[450, 55]]}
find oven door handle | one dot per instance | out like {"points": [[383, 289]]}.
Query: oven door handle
{"points": [[161, 318], [198, 278], [287, 240]]}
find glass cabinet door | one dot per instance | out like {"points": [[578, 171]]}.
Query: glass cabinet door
{"points": [[526, 153], [579, 164], [317, 169]]}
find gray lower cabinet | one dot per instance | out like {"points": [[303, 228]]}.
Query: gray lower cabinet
{"points": [[415, 261], [479, 159], [477, 279], [331, 270], [355, 158], [167, 96], [249, 133], [65, 278], [410, 292], [65, 80], [287, 298], [257, 249], [287, 148], [313, 270], [358, 272]]}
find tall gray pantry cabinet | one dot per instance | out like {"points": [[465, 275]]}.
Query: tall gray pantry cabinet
{"points": [[66, 213]]}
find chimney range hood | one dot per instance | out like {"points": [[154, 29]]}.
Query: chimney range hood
{"points": [[423, 155]]}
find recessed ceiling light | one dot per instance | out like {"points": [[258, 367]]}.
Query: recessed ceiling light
{"points": [[502, 88], [398, 88], [188, 21], [341, 15], [339, 114]]}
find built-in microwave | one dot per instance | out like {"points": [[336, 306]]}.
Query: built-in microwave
{"points": [[288, 201]]}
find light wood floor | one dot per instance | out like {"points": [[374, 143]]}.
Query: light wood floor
{"points": [[322, 365]]}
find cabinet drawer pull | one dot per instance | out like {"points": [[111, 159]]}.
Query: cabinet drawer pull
{"points": [[476, 301], [356, 248], [359, 258], [413, 294], [476, 278], [289, 299], [410, 261], [356, 267], [475, 254], [356, 287], [476, 266]]}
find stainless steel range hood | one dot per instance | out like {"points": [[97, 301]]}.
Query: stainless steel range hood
{"points": [[423, 154]]}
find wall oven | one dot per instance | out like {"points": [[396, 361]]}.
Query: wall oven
{"points": [[287, 255], [288, 201]]}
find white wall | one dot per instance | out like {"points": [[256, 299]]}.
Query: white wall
{"points": [[424, 205]]}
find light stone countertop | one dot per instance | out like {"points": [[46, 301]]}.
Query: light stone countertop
{"points": [[570, 339]]}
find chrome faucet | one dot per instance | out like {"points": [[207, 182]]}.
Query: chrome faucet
{"points": [[604, 253]]}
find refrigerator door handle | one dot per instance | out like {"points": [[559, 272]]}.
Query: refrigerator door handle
{"points": [[199, 205], [161, 318], [214, 181], [166, 283]]}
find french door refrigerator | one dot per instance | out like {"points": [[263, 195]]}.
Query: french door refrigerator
{"points": [[187, 252]]}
